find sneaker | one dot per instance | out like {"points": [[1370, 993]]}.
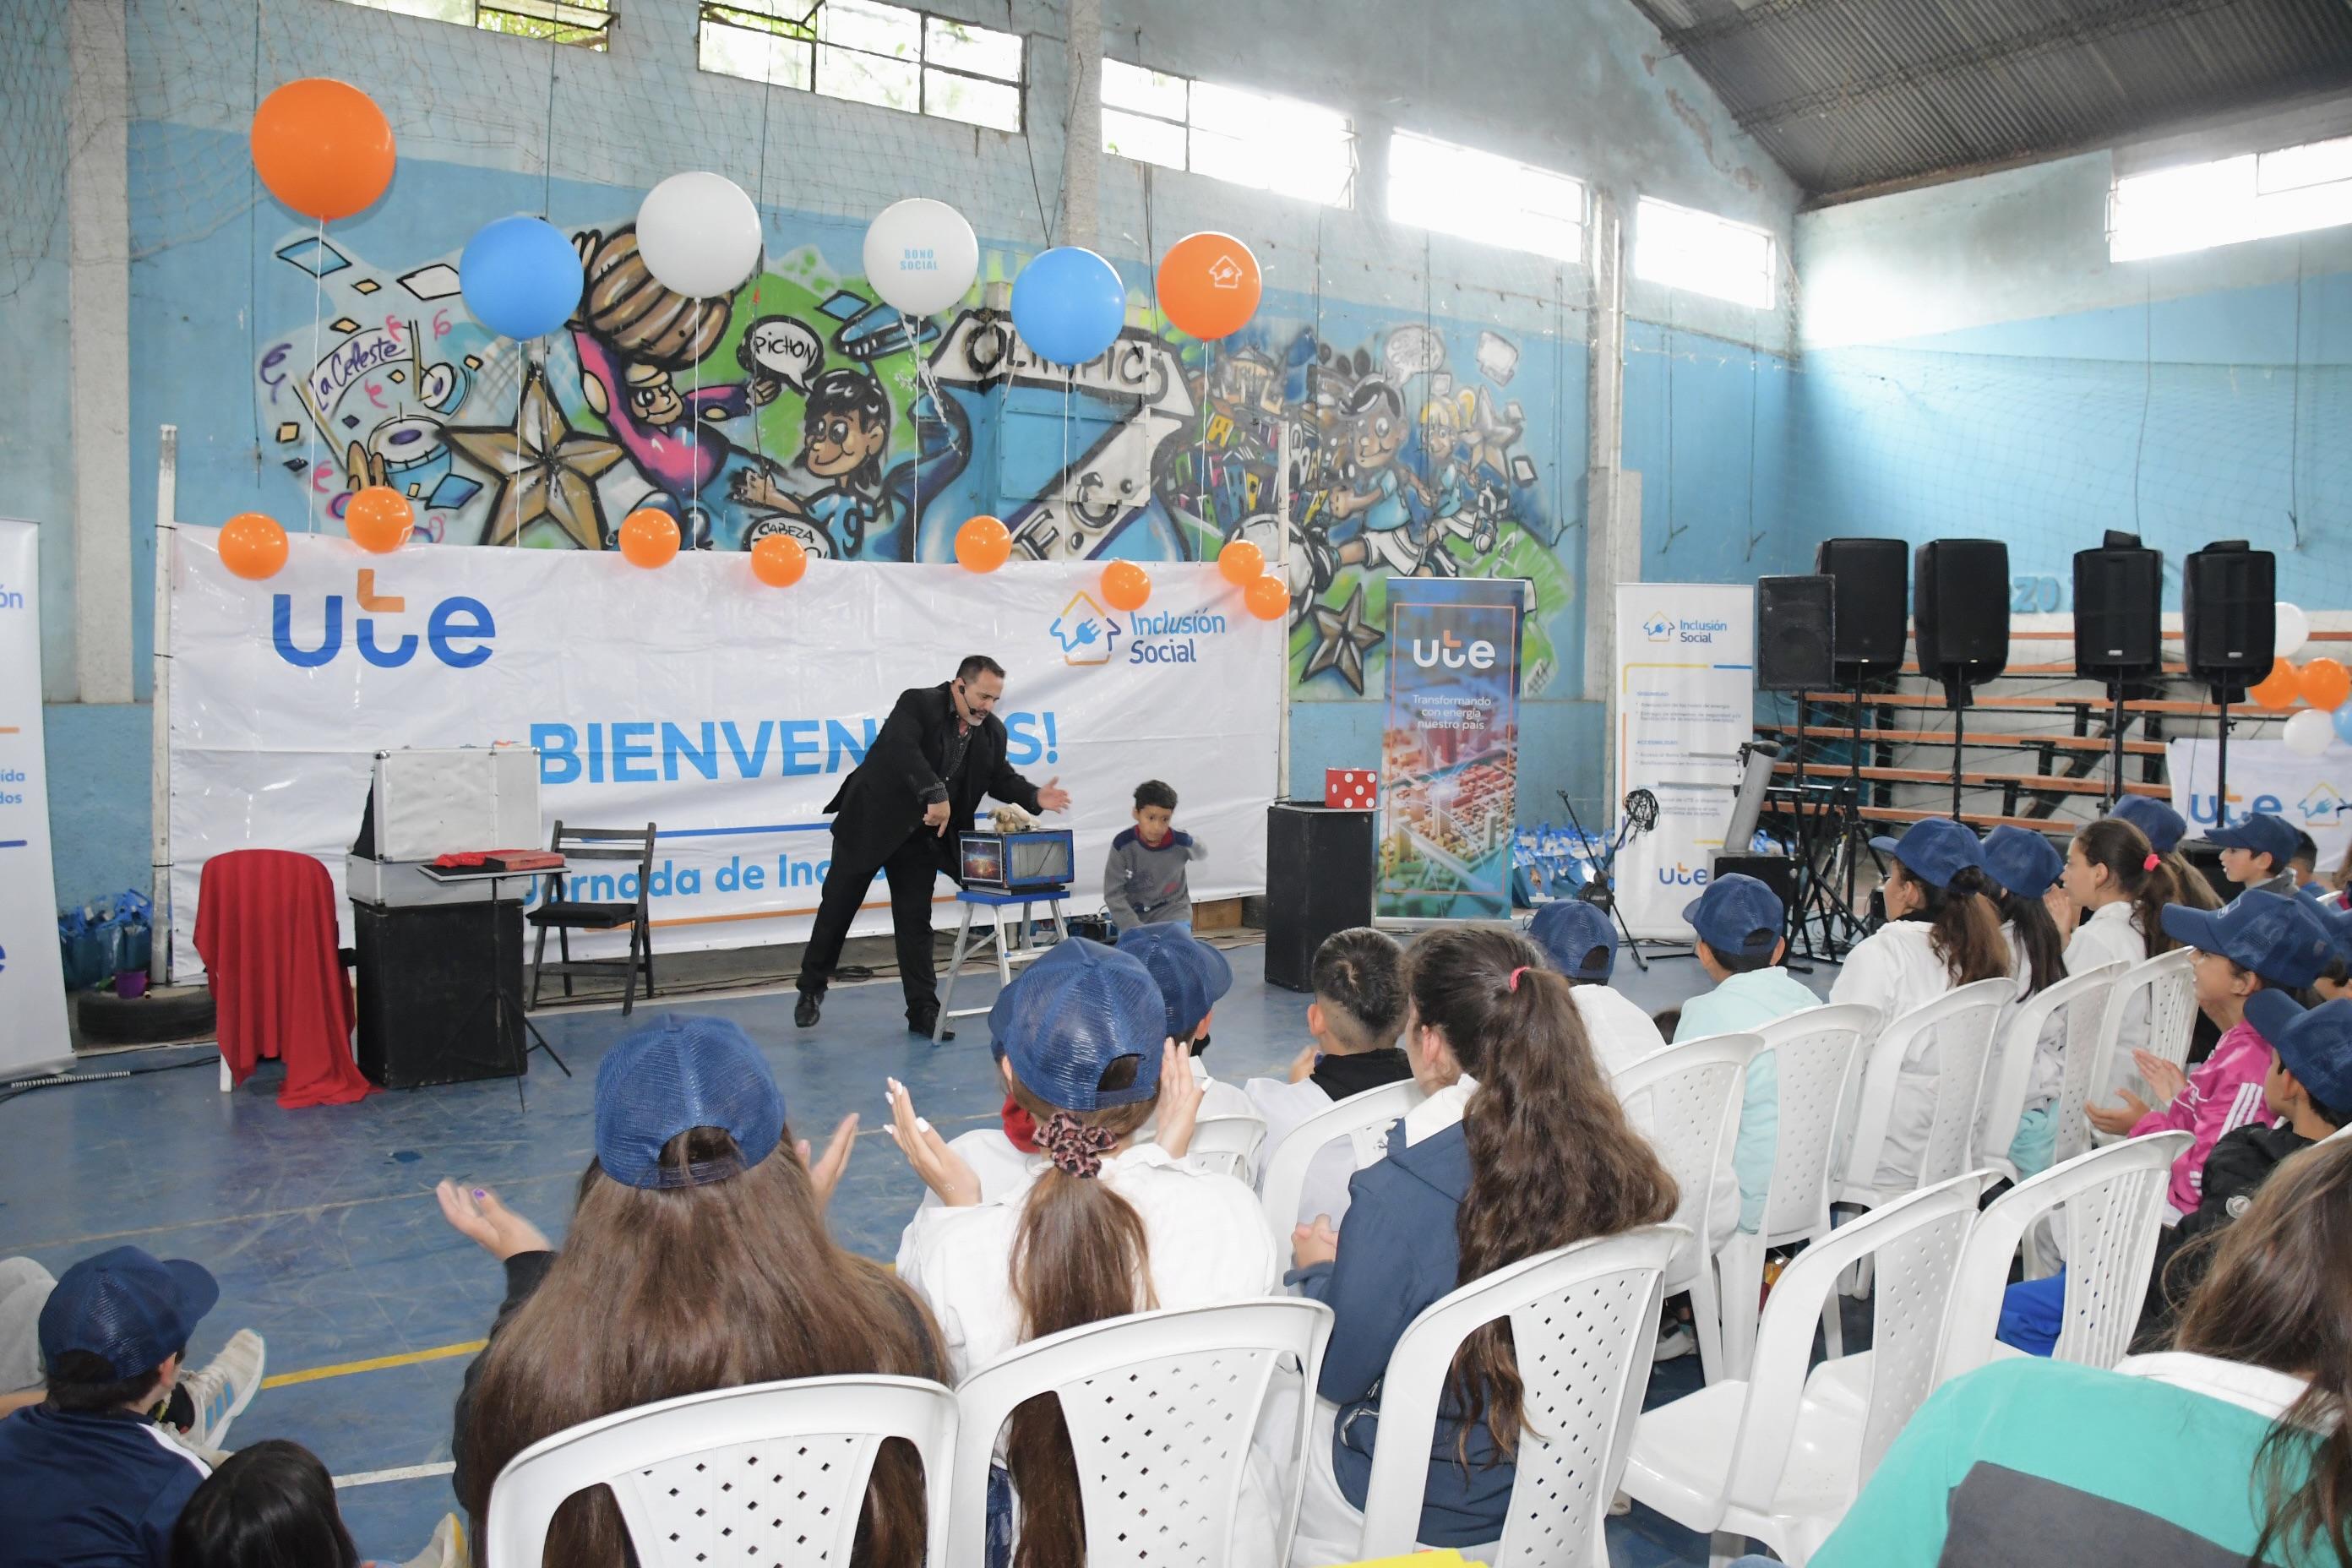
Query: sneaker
{"points": [[1680, 1342], [222, 1389], [214, 1459], [446, 1549]]}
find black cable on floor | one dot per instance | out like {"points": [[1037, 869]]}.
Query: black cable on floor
{"points": [[14, 1088]]}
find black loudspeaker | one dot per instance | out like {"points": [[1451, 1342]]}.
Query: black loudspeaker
{"points": [[1319, 880], [1778, 872], [1796, 630], [1960, 594], [2118, 610], [1869, 617], [2229, 615], [426, 976]]}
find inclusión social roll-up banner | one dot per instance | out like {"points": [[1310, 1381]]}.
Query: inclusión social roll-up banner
{"points": [[1685, 704], [32, 978], [694, 697]]}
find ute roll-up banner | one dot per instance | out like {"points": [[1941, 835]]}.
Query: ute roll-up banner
{"points": [[1449, 756], [1685, 704], [32, 978], [694, 697]]}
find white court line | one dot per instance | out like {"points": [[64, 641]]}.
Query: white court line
{"points": [[404, 1473]]}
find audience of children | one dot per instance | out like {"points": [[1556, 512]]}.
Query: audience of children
{"points": [[1473, 1180], [1580, 942], [1942, 932], [1144, 880], [1352, 1027]]}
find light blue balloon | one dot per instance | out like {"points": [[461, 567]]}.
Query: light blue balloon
{"points": [[522, 278], [2342, 719], [1068, 304]]}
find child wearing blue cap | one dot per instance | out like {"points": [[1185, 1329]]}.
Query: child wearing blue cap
{"points": [[1942, 932], [2163, 828], [2256, 854], [1738, 921], [2025, 872], [1192, 978], [1580, 940], [1112, 1225], [698, 1259]]}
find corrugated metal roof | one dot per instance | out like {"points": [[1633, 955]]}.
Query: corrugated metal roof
{"points": [[1849, 95]]}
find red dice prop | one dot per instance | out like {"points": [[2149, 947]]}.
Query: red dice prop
{"points": [[1350, 789]]}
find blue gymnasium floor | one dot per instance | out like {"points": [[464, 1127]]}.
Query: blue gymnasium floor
{"points": [[322, 1227]]}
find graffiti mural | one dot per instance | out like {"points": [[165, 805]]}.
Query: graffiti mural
{"points": [[1351, 452]]}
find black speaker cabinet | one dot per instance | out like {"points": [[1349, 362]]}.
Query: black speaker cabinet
{"points": [[2118, 612], [1319, 880], [1960, 608], [1795, 630], [2229, 613], [427, 975], [1870, 609], [1778, 872]]}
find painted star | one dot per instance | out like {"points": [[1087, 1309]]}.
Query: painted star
{"points": [[1342, 638], [544, 468]]}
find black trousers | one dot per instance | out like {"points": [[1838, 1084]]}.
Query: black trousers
{"points": [[913, 870]]}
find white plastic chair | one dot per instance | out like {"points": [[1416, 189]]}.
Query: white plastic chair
{"points": [[1584, 1321], [2171, 982], [1780, 1456], [2111, 1202], [1173, 1396], [773, 1472], [1962, 1021], [1229, 1145], [1363, 1119], [2009, 1078], [1815, 1052], [1688, 1097]]}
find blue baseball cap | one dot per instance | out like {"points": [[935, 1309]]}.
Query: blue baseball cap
{"points": [[2315, 1044], [2339, 928], [1069, 1016], [2161, 824], [679, 1073], [2262, 832], [2282, 940], [1934, 849], [1733, 909], [1191, 976], [2021, 860], [1569, 931], [127, 1308]]}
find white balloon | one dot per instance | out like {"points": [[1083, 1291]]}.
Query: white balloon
{"points": [[2309, 732], [700, 235], [2293, 630], [921, 256]]}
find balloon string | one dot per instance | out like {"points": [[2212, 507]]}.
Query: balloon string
{"points": [[318, 411], [915, 348], [514, 491]]}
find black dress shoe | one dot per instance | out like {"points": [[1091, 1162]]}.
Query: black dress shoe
{"points": [[806, 1011], [916, 1024]]}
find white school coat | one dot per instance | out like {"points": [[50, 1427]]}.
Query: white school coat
{"points": [[2108, 935], [1894, 970], [2050, 1045]]}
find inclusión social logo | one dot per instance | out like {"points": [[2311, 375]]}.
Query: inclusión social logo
{"points": [[1452, 653], [1087, 631], [1659, 627], [457, 630]]}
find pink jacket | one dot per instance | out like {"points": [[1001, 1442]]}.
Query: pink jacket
{"points": [[2224, 1092]]}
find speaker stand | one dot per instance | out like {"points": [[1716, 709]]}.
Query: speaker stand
{"points": [[1854, 831], [1956, 698], [2114, 743], [2222, 699]]}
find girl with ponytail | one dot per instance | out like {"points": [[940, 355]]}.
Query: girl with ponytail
{"points": [[1107, 1227], [1519, 1148], [2025, 871], [1942, 932]]}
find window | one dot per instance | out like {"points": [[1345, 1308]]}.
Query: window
{"points": [[870, 53], [1484, 197], [1705, 254], [1267, 143], [2255, 195], [580, 22]]}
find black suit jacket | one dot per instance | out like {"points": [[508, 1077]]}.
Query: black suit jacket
{"points": [[882, 800]]}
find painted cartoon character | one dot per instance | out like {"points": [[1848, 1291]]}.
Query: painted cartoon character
{"points": [[844, 431], [1372, 485]]}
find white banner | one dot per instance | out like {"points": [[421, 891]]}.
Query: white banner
{"points": [[2313, 793], [696, 697], [32, 980], [1686, 703]]}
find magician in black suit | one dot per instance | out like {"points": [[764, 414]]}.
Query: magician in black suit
{"points": [[901, 812]]}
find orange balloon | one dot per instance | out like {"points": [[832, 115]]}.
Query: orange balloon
{"points": [[323, 147], [2279, 689], [649, 538], [778, 559], [1268, 598], [252, 546], [983, 544], [1208, 285], [379, 519], [2326, 684], [1242, 563], [1126, 586]]}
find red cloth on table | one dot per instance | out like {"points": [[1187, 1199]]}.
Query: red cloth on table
{"points": [[265, 931]]}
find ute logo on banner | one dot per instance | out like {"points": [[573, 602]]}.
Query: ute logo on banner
{"points": [[1449, 759], [694, 697]]}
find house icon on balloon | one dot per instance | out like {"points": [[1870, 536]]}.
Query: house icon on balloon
{"points": [[1224, 272]]}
